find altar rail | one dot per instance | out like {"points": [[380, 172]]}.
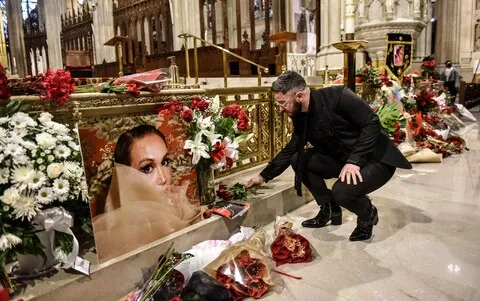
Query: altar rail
{"points": [[270, 128]]}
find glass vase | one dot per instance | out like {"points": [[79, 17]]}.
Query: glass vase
{"points": [[205, 182]]}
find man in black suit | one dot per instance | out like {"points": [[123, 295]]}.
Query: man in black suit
{"points": [[348, 143]]}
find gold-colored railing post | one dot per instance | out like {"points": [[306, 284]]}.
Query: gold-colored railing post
{"points": [[225, 69], [259, 71], [195, 59], [271, 124], [187, 60]]}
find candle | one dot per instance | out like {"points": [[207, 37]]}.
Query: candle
{"points": [[349, 16]]}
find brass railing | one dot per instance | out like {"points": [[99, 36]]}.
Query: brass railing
{"points": [[271, 129], [107, 112], [225, 52]]}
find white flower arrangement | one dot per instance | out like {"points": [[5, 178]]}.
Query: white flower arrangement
{"points": [[40, 168]]}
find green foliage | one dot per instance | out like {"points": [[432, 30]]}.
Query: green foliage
{"points": [[389, 115], [11, 108]]}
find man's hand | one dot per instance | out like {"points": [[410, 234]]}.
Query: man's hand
{"points": [[350, 172], [255, 181]]}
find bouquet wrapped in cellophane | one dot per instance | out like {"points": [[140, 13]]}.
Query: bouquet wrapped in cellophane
{"points": [[288, 246], [244, 269]]}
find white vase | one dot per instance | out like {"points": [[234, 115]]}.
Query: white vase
{"points": [[31, 264]]}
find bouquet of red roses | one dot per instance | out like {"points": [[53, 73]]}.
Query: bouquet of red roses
{"points": [[288, 246], [243, 268]]}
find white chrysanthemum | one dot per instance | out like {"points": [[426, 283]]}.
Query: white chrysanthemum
{"points": [[14, 150], [21, 120], [64, 138], [4, 120], [19, 133], [28, 145], [22, 176], [46, 141], [45, 118], [50, 158], [62, 151], [10, 196], [42, 167], [61, 186], [21, 160], [25, 207], [45, 196], [59, 129], [62, 198], [38, 179], [71, 169], [54, 170], [4, 175], [40, 161], [74, 146], [8, 241], [47, 151], [3, 135]]}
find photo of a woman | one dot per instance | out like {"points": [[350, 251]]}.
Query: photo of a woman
{"points": [[142, 204], [398, 55]]}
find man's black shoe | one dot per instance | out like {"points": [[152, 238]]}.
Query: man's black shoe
{"points": [[363, 231], [328, 212]]}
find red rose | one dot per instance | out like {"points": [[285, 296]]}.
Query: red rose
{"points": [[199, 104], [256, 289], [173, 106], [187, 115], [223, 193], [243, 125], [231, 111]]}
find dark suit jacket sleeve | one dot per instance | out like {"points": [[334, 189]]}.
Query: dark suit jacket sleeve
{"points": [[284, 158], [357, 111]]}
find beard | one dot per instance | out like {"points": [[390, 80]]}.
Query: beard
{"points": [[297, 109]]}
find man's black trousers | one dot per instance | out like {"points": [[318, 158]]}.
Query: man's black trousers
{"points": [[317, 167]]}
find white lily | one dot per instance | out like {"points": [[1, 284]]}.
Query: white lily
{"points": [[216, 104], [197, 148]]}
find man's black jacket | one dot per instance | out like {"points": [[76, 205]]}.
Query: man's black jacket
{"points": [[342, 125]]}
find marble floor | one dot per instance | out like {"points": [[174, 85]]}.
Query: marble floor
{"points": [[425, 247]]}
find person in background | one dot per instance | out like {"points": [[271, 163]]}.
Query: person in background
{"points": [[348, 143], [451, 79]]}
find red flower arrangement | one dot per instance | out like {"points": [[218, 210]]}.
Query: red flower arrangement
{"points": [[58, 85], [290, 247], [243, 276], [4, 89]]}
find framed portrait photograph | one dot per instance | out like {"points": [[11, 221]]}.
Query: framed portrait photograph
{"points": [[141, 185]]}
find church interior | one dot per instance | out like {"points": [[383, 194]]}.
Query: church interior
{"points": [[131, 130]]}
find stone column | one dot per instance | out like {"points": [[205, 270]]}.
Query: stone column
{"points": [[103, 30], [15, 30], [53, 27], [466, 39], [41, 13], [185, 20], [332, 23], [423, 43], [448, 31]]}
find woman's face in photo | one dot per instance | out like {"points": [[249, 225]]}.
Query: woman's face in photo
{"points": [[149, 155]]}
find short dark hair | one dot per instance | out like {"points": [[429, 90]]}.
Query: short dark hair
{"points": [[288, 81], [448, 62], [124, 142]]}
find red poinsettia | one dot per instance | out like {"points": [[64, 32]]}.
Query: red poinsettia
{"points": [[58, 85]]}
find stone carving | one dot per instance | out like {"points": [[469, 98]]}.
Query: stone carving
{"points": [[477, 36]]}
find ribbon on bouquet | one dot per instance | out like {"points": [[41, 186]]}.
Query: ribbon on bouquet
{"points": [[58, 219]]}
